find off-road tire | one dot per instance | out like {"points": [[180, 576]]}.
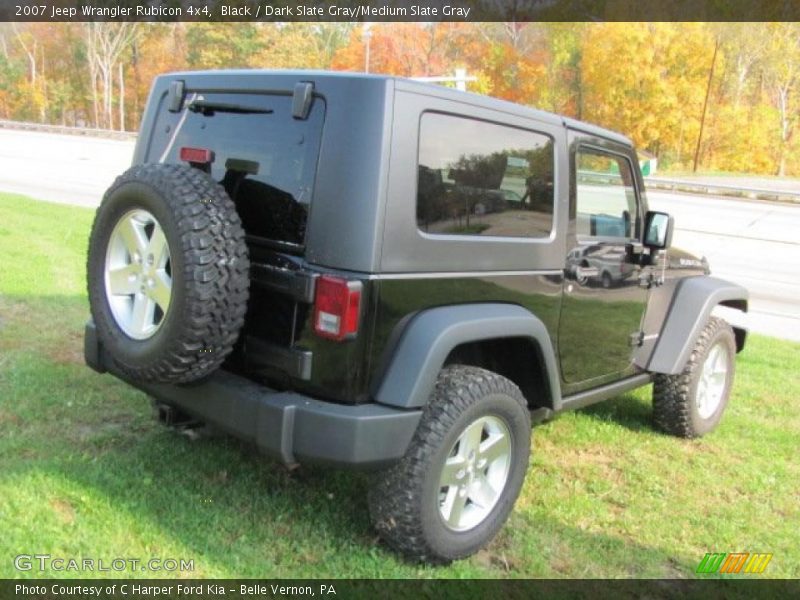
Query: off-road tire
{"points": [[403, 500], [675, 409], [209, 270]]}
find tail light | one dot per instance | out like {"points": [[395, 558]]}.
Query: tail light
{"points": [[200, 156], [337, 304]]}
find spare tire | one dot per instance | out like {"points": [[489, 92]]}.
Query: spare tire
{"points": [[167, 273]]}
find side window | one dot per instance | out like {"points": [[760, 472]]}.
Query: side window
{"points": [[479, 178], [605, 196]]}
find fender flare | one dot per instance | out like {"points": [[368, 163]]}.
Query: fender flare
{"points": [[692, 302], [429, 337]]}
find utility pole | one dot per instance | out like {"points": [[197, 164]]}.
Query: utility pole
{"points": [[705, 106]]}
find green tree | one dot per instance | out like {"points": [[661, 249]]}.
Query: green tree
{"points": [[223, 45]]}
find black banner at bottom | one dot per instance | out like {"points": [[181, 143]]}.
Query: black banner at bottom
{"points": [[345, 589]]}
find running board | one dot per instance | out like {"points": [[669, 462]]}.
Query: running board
{"points": [[583, 399]]}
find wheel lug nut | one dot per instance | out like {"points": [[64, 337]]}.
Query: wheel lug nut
{"points": [[460, 474], [481, 463], [462, 492]]}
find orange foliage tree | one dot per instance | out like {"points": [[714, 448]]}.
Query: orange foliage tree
{"points": [[647, 80]]}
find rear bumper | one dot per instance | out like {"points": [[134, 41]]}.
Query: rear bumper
{"points": [[289, 426]]}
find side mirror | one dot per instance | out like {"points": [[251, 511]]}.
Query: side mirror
{"points": [[658, 228]]}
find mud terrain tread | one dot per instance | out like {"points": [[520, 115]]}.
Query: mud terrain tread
{"points": [[672, 394], [215, 268], [395, 498]]}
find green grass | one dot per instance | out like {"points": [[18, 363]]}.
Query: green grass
{"points": [[85, 471]]}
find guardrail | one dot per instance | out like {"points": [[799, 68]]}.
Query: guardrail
{"points": [[721, 189], [63, 129], [701, 187]]}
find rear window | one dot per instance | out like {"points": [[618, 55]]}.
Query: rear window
{"points": [[265, 158]]}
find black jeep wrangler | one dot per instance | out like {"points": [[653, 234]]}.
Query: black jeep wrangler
{"points": [[371, 272]]}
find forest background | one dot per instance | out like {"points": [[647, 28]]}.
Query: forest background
{"points": [[725, 93]]}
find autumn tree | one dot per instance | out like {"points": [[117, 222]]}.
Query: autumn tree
{"points": [[562, 91], [781, 66], [647, 80], [301, 45], [405, 49], [105, 45], [223, 45]]}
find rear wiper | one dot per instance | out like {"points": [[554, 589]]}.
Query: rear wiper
{"points": [[207, 109]]}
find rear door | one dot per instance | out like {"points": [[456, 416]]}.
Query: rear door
{"points": [[603, 299]]}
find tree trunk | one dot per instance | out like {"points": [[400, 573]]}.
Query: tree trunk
{"points": [[105, 43], [783, 100], [108, 97], [44, 108], [136, 83], [121, 99], [95, 99]]}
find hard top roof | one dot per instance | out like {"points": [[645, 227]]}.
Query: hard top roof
{"points": [[419, 87]]}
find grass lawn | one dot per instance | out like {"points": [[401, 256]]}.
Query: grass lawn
{"points": [[85, 471]]}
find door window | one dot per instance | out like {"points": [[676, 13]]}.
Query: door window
{"points": [[605, 196]]}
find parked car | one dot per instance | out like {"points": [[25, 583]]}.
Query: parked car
{"points": [[598, 264]]}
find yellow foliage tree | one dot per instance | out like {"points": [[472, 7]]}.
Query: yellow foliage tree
{"points": [[648, 80]]}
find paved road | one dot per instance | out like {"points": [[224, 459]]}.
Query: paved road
{"points": [[61, 168], [752, 243]]}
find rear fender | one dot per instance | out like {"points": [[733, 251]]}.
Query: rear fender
{"points": [[430, 336]]}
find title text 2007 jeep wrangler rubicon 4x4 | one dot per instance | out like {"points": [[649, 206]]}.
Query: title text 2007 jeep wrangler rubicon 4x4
{"points": [[373, 272]]}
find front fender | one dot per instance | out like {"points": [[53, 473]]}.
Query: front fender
{"points": [[431, 335], [689, 311]]}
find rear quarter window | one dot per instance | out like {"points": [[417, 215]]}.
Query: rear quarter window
{"points": [[483, 179]]}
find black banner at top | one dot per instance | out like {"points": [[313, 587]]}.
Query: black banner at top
{"points": [[396, 10]]}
